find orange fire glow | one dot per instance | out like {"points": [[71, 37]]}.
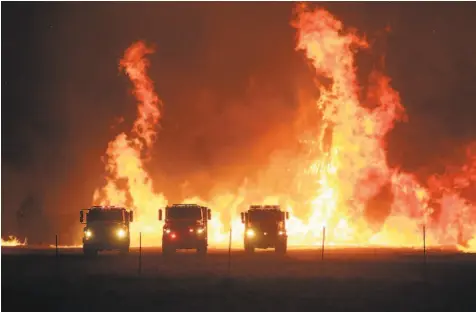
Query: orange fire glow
{"points": [[341, 179], [470, 246], [125, 158], [12, 241]]}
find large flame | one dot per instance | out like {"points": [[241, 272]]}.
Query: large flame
{"points": [[469, 247], [341, 183], [126, 153], [353, 172], [12, 241]]}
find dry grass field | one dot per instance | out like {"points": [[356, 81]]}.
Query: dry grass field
{"points": [[347, 280]]}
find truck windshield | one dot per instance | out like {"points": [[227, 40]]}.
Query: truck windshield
{"points": [[105, 215], [264, 216], [193, 213]]}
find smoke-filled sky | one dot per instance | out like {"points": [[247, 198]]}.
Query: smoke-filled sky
{"points": [[233, 86]]}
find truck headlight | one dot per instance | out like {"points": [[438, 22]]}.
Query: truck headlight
{"points": [[200, 230], [250, 233], [88, 233], [121, 233], [281, 233]]}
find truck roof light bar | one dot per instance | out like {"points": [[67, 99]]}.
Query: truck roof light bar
{"points": [[265, 207]]}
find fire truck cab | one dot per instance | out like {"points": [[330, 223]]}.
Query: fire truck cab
{"points": [[265, 227], [107, 228], [186, 227]]}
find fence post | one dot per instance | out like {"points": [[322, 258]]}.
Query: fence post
{"points": [[424, 243], [323, 241], [229, 253], [56, 246], [140, 253], [57, 264]]}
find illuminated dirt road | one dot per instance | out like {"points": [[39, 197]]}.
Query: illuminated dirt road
{"points": [[357, 280]]}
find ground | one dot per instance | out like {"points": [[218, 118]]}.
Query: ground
{"points": [[346, 280]]}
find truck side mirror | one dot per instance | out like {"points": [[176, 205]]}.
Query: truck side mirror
{"points": [[242, 217], [209, 214], [287, 215], [81, 216], [131, 216], [160, 214]]}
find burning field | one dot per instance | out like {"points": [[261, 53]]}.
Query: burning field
{"points": [[340, 181], [12, 241]]}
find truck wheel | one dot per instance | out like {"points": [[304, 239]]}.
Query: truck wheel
{"points": [[249, 249], [167, 250], [90, 252], [202, 250], [281, 248], [124, 251]]}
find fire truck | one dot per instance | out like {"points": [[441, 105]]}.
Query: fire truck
{"points": [[107, 228], [186, 227], [265, 227]]}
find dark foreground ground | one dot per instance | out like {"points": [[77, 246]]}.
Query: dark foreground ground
{"points": [[349, 280]]}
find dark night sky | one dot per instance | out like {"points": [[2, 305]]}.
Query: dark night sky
{"points": [[228, 69]]}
